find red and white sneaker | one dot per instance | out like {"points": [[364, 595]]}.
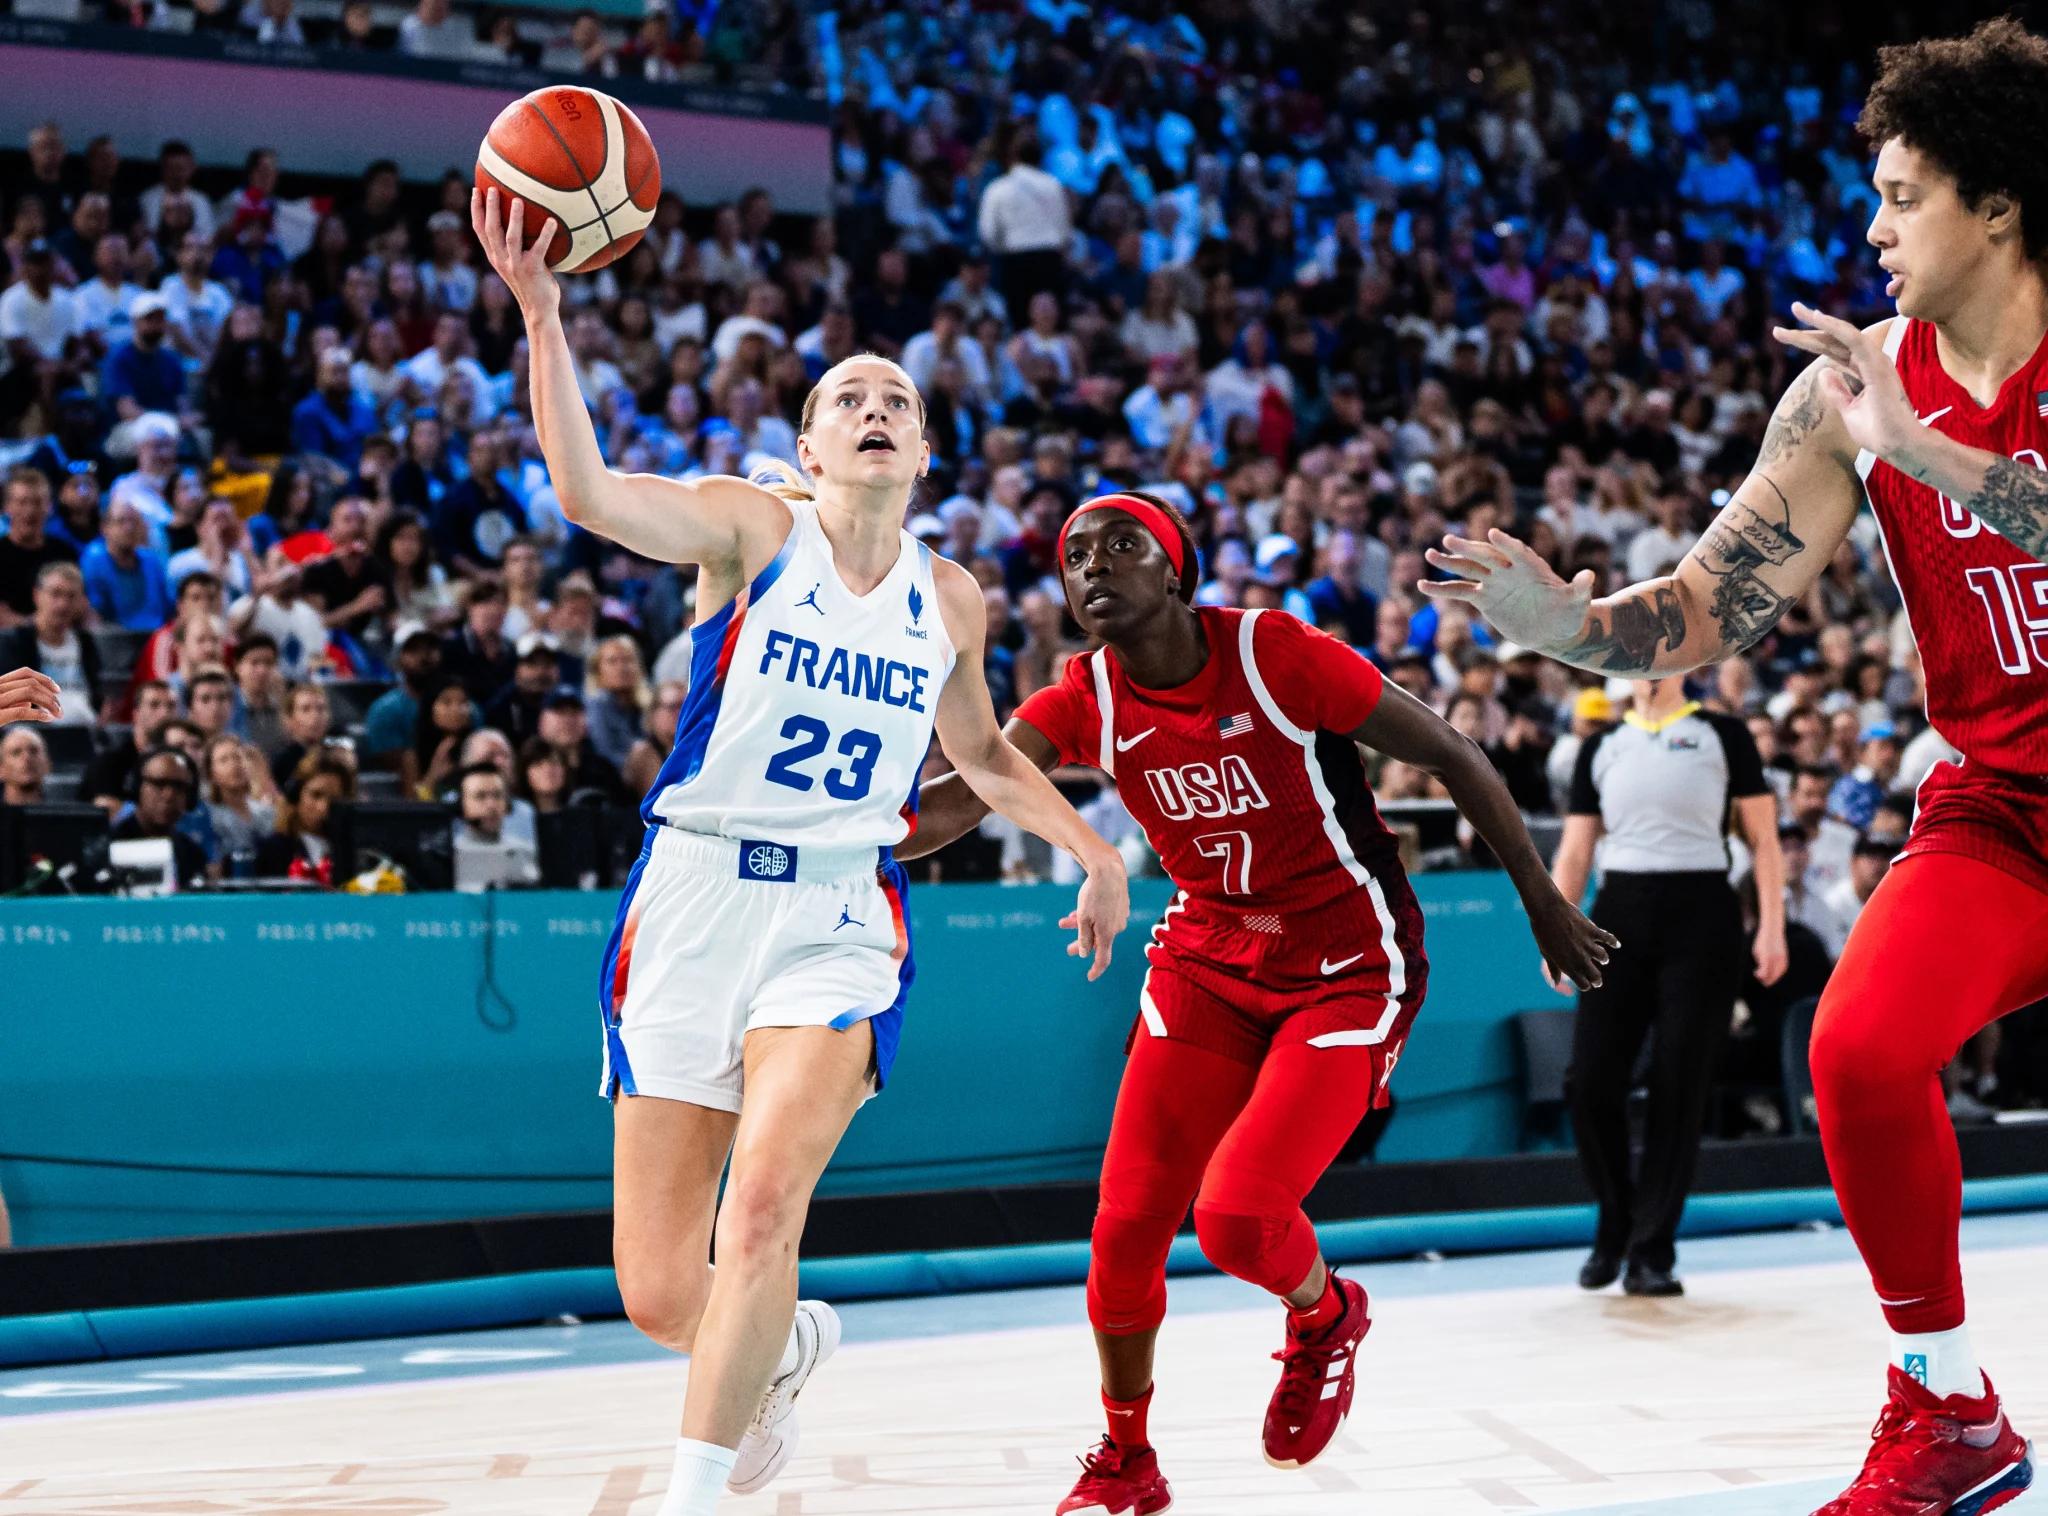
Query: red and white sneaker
{"points": [[1935, 1457], [1317, 1376], [1117, 1482]]}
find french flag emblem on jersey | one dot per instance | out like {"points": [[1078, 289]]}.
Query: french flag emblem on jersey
{"points": [[1234, 726]]}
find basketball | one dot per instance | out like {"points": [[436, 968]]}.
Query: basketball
{"points": [[578, 157]]}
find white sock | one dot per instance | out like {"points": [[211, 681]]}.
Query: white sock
{"points": [[1942, 1361], [792, 1354], [697, 1484]]}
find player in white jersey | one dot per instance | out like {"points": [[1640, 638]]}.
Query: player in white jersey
{"points": [[753, 989]]}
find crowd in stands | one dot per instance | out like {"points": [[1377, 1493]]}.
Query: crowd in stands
{"points": [[1335, 279]]}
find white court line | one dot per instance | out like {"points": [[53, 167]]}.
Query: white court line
{"points": [[117, 1405], [426, 1460]]}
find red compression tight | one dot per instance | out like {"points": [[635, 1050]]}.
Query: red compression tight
{"points": [[1243, 1145], [1945, 946]]}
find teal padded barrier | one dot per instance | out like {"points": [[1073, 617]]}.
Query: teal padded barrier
{"points": [[334, 1061], [511, 1300]]}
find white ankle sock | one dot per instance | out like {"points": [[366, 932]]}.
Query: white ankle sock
{"points": [[1942, 1361], [697, 1484], [792, 1354]]}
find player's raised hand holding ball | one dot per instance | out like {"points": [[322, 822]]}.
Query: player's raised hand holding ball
{"points": [[566, 182]]}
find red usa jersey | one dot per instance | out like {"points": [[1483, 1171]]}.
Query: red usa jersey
{"points": [[1979, 612], [1977, 604], [1242, 778]]}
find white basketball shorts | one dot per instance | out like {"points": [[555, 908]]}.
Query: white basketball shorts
{"points": [[717, 936]]}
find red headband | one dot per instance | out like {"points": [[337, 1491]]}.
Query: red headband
{"points": [[1150, 516]]}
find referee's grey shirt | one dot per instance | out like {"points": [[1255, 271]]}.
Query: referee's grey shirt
{"points": [[1663, 790]]}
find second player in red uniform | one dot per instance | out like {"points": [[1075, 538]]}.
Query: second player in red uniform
{"points": [[1283, 976], [1940, 416]]}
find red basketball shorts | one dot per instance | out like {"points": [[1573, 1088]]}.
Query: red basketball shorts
{"points": [[1350, 975]]}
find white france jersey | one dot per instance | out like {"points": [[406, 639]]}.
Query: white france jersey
{"points": [[810, 707]]}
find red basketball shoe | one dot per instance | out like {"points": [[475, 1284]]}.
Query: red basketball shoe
{"points": [[1316, 1379], [1118, 1482], [1935, 1457]]}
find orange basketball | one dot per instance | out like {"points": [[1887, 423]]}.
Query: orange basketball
{"points": [[578, 157]]}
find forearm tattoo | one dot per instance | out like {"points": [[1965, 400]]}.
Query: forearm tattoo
{"points": [[1629, 632], [1625, 635], [2013, 502], [1738, 544]]}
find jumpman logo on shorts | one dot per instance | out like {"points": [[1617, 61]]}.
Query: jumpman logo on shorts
{"points": [[812, 599], [846, 918]]}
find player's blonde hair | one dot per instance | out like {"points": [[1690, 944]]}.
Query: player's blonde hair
{"points": [[786, 480]]}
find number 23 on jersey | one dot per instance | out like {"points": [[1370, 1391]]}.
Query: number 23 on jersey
{"points": [[808, 737]]}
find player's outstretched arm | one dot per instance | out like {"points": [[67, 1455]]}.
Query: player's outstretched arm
{"points": [[1403, 727], [948, 810], [716, 520], [1861, 385], [1011, 784], [1763, 552]]}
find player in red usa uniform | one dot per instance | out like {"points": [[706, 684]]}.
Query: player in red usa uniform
{"points": [[1940, 416], [1284, 975]]}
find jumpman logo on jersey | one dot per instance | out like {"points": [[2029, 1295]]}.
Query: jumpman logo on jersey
{"points": [[812, 599], [846, 918]]}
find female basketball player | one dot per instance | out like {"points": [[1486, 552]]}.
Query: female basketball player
{"points": [[1284, 975], [762, 944], [1938, 417]]}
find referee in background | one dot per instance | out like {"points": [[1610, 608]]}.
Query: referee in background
{"points": [[1660, 788]]}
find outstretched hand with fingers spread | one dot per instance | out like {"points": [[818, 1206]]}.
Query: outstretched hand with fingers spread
{"points": [[1516, 591]]}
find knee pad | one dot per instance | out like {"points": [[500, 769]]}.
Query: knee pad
{"points": [[1250, 1224], [1271, 1249], [1127, 1269]]}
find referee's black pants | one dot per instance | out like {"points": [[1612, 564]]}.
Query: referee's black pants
{"points": [[1675, 980]]}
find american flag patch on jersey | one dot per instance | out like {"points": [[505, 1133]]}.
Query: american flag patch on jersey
{"points": [[1234, 726], [2041, 402]]}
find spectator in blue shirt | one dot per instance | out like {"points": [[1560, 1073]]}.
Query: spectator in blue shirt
{"points": [[1720, 182], [1278, 558], [478, 517], [1858, 793], [334, 419], [1713, 283], [388, 724], [143, 373], [252, 259], [124, 580], [77, 436], [1339, 603]]}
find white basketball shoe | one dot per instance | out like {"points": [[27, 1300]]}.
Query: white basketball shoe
{"points": [[771, 1436]]}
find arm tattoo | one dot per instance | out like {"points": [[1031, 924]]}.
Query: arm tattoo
{"points": [[2013, 502], [1799, 416], [1627, 635], [1742, 541]]}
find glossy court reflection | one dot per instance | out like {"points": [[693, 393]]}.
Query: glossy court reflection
{"points": [[1490, 1385]]}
